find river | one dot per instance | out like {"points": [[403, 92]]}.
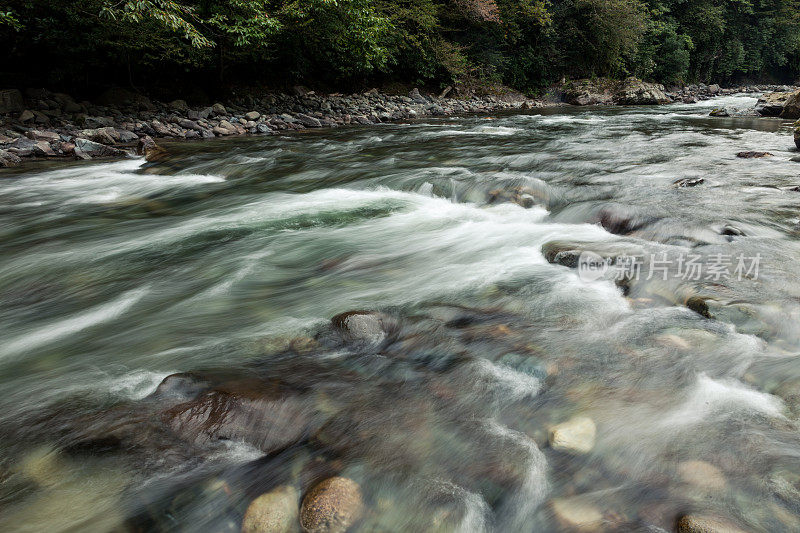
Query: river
{"points": [[229, 259]]}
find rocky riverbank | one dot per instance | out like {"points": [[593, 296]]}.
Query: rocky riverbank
{"points": [[41, 124]]}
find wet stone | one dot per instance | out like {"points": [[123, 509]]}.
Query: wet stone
{"points": [[576, 435], [273, 512], [332, 506], [695, 523]]}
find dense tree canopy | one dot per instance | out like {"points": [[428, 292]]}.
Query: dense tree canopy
{"points": [[350, 43]]}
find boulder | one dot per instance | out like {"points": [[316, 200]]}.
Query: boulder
{"points": [[7, 159], [273, 512], [38, 135], [87, 149], [417, 97], [308, 121], [576, 435], [714, 89], [218, 109], [695, 523], [160, 128], [11, 101], [753, 155], [125, 136], [252, 115], [26, 116], [332, 506], [637, 92], [98, 135], [791, 108], [797, 134], [300, 90], [225, 128], [261, 414], [179, 106], [149, 149], [771, 104]]}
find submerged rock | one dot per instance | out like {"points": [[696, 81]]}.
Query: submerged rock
{"points": [[332, 506], [273, 512], [576, 435], [575, 514], [364, 326], [706, 524], [701, 475], [797, 134], [256, 412]]}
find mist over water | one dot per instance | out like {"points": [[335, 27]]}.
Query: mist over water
{"points": [[229, 259]]}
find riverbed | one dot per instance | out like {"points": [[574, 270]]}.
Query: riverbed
{"points": [[229, 258]]}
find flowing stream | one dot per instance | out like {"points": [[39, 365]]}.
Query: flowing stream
{"points": [[228, 259]]}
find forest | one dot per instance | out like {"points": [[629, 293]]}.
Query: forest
{"points": [[355, 44]]}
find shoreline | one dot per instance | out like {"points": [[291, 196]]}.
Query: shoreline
{"points": [[45, 126]]}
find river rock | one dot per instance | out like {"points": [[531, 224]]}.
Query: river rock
{"points": [[771, 104], [308, 121], [695, 523], [417, 97], [37, 135], [99, 135], [332, 506], [575, 514], [637, 92], [11, 101], [688, 182], [218, 109], [791, 108], [86, 149], [26, 116], [576, 435], [149, 149], [702, 475], [797, 134], [364, 326], [252, 115], [7, 159], [179, 106], [273, 512], [259, 413], [753, 155]]}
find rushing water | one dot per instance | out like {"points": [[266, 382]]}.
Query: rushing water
{"points": [[229, 259]]}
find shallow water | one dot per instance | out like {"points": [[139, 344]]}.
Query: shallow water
{"points": [[218, 259]]}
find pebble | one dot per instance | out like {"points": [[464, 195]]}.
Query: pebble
{"points": [[332, 506], [576, 435], [273, 512]]}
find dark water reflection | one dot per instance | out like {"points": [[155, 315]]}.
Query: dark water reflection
{"points": [[229, 259]]}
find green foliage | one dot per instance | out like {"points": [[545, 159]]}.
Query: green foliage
{"points": [[524, 43]]}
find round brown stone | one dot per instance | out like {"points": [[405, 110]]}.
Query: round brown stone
{"points": [[332, 506]]}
